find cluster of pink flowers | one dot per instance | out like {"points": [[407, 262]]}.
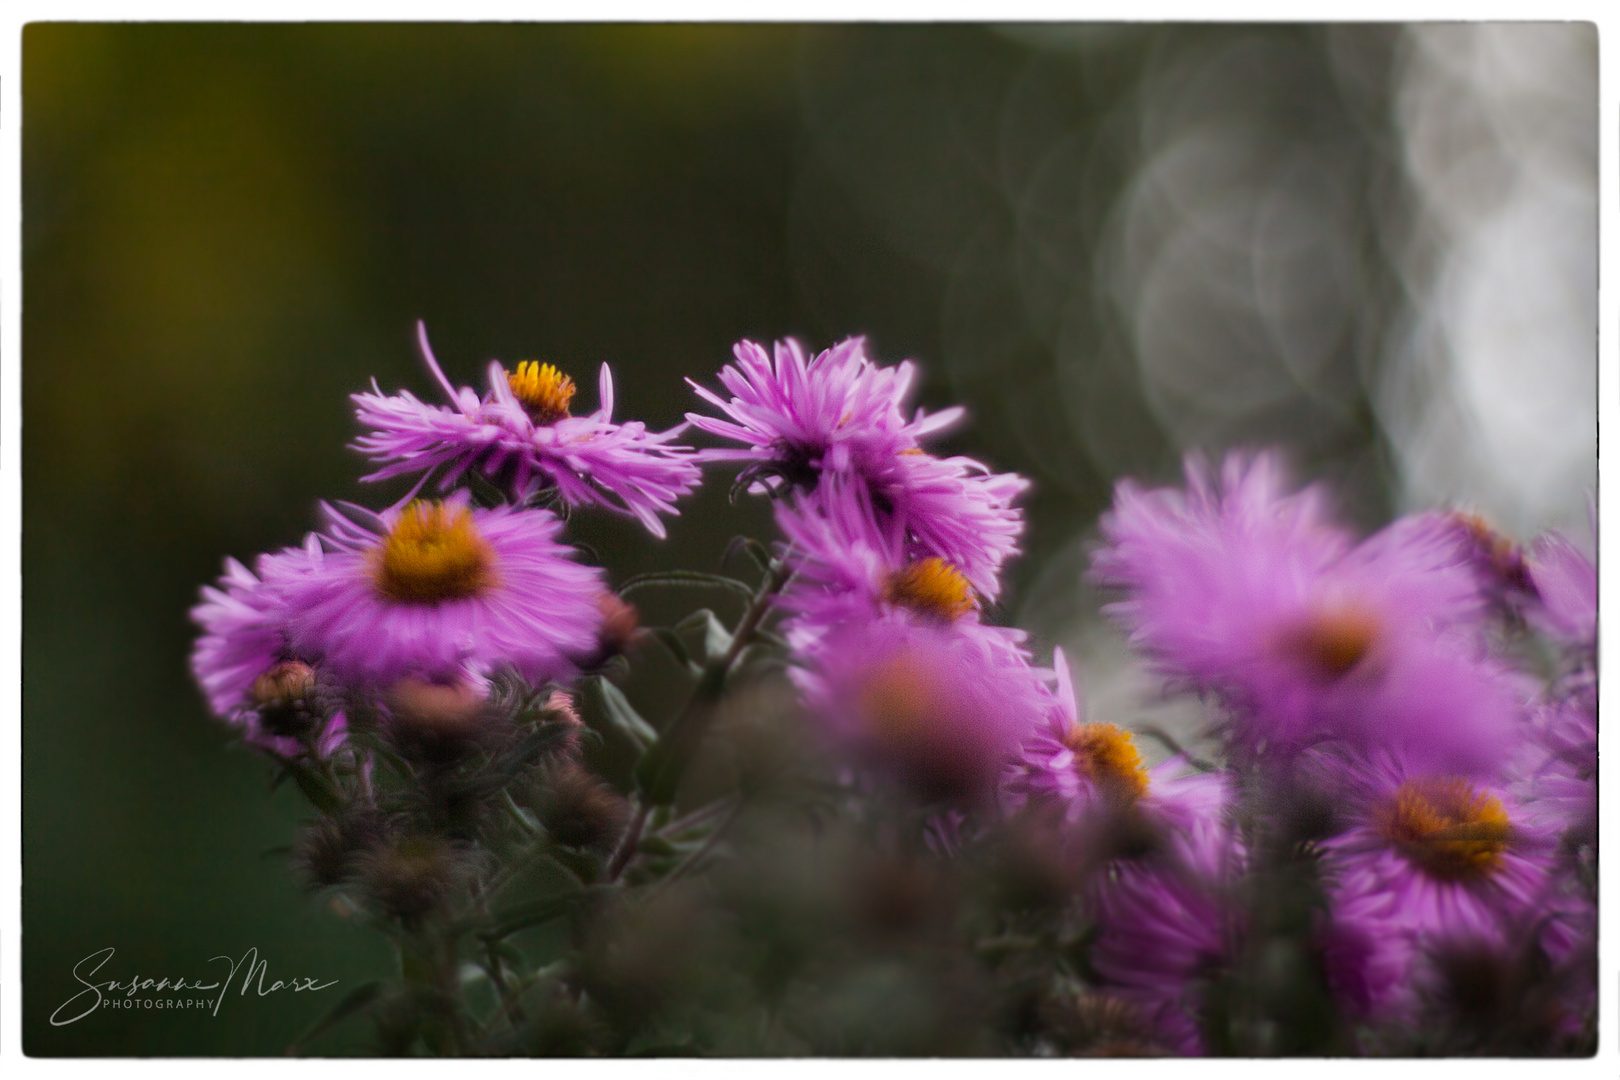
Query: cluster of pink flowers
{"points": [[440, 593], [1369, 674], [1369, 696]]}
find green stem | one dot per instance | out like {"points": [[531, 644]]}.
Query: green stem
{"points": [[659, 772]]}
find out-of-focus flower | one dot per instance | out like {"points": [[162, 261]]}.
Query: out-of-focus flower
{"points": [[1566, 584], [434, 590], [839, 414], [243, 661], [1166, 927], [939, 710], [523, 436], [1237, 587], [1557, 771], [1093, 770], [1429, 862]]}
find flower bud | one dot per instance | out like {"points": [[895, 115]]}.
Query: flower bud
{"points": [[437, 722], [287, 699], [580, 810], [412, 876], [331, 851]]}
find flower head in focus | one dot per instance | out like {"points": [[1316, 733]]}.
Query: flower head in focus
{"points": [[840, 415], [853, 564], [434, 590], [524, 435]]}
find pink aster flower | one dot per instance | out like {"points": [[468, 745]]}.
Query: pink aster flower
{"points": [[1093, 772], [243, 661], [853, 564], [432, 591], [1429, 862], [522, 435], [1566, 587], [934, 709], [840, 414], [1167, 926], [1237, 587]]}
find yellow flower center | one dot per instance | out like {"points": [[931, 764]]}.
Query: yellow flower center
{"points": [[1446, 827], [1333, 640], [433, 553], [544, 391], [1106, 755], [930, 587]]}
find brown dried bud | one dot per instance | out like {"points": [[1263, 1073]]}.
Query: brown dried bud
{"points": [[1099, 1025], [580, 810], [411, 876], [330, 851]]}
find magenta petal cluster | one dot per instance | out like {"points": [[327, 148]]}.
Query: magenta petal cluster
{"points": [[853, 564], [839, 414], [1240, 587], [589, 460], [1167, 925], [530, 605], [939, 710], [1566, 587], [1429, 862], [1049, 771]]}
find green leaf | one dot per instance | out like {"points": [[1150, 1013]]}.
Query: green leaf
{"points": [[716, 639], [757, 551], [687, 578], [677, 647], [621, 716]]}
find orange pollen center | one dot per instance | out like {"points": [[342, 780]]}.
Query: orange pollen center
{"points": [[1446, 827], [1332, 641], [1106, 755], [433, 554], [544, 391], [930, 587]]}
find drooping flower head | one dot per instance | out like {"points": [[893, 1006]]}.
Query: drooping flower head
{"points": [[245, 665], [435, 590], [838, 414], [523, 435], [1428, 863], [1238, 587]]}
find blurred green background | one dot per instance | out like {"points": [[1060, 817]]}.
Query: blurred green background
{"points": [[227, 229]]}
